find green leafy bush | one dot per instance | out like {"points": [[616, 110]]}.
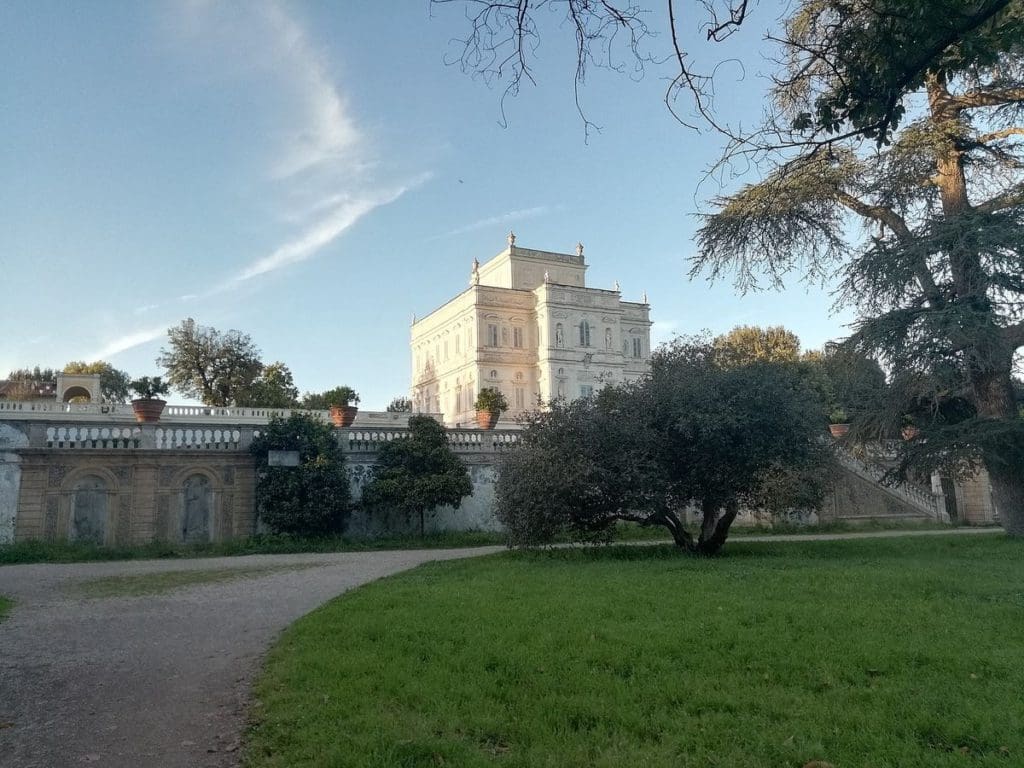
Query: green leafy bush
{"points": [[312, 499]]}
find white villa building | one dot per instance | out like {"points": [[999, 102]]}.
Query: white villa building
{"points": [[529, 326]]}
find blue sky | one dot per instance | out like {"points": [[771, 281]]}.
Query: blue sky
{"points": [[313, 173]]}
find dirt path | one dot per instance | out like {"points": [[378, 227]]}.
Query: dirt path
{"points": [[158, 681]]}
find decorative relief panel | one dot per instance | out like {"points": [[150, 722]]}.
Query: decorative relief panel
{"points": [[229, 475], [50, 518], [123, 474], [166, 476], [123, 527], [163, 514], [56, 475]]}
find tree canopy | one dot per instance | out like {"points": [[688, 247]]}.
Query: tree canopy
{"points": [[700, 432], [273, 388], [212, 366], [311, 499], [935, 268], [417, 474], [749, 343]]}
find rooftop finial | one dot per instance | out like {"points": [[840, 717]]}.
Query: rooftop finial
{"points": [[617, 288], [547, 277], [413, 319], [579, 249], [511, 238], [474, 275], [643, 298]]}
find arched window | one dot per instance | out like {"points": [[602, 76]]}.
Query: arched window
{"points": [[89, 510], [196, 509], [584, 333]]}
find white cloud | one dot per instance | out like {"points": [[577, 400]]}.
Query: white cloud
{"points": [[324, 231], [501, 218], [328, 134], [128, 341], [323, 172]]}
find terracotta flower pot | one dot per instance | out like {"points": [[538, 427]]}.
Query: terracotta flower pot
{"points": [[911, 433], [486, 419], [343, 415], [148, 410], [839, 430]]}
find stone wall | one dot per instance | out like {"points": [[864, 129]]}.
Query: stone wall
{"points": [[118, 482], [134, 497], [11, 439]]}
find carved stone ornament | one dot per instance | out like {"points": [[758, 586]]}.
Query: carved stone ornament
{"points": [[166, 476], [56, 475], [229, 475], [50, 521]]}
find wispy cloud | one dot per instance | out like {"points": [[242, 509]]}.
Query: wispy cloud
{"points": [[324, 232], [127, 341], [327, 133], [324, 169], [501, 218]]}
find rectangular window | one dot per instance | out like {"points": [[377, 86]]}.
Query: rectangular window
{"points": [[638, 347], [457, 338], [586, 390], [446, 350], [492, 335], [517, 337], [458, 399], [520, 397]]}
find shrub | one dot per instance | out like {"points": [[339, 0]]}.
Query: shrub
{"points": [[312, 499]]}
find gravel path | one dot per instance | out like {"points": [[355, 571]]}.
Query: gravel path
{"points": [[163, 681], [159, 681]]}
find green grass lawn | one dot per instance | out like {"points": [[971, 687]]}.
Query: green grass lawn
{"points": [[882, 654], [5, 606]]}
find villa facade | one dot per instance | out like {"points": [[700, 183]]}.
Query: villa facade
{"points": [[529, 326]]}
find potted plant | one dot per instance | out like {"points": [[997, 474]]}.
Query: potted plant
{"points": [[490, 404], [342, 403], [148, 406], [838, 422], [910, 430]]}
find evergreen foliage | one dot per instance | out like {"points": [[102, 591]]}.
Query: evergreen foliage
{"points": [[417, 474], [311, 499], [701, 431]]}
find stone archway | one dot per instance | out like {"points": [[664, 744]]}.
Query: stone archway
{"points": [[196, 509], [89, 510], [77, 394]]}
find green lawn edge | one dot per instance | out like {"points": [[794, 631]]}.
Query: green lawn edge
{"points": [[884, 652], [37, 551]]}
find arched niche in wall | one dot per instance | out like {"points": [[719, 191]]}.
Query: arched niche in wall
{"points": [[89, 510], [196, 509]]}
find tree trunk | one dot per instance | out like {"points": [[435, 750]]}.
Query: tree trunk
{"points": [[714, 534], [423, 527], [989, 353], [994, 398]]}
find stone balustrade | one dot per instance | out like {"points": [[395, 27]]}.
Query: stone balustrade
{"points": [[114, 436], [50, 410]]}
